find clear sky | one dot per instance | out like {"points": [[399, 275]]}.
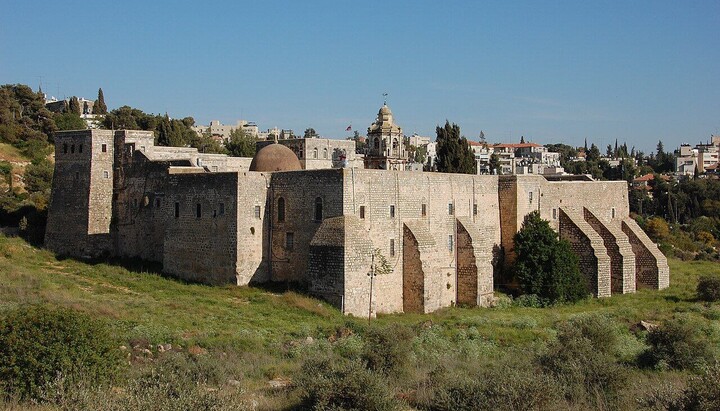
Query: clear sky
{"points": [[552, 71]]}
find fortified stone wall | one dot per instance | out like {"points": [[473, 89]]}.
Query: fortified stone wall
{"points": [[253, 233], [384, 200], [201, 238], [308, 199]]}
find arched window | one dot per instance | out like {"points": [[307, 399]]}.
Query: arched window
{"points": [[325, 153], [395, 144], [315, 153], [318, 209], [281, 209], [376, 144]]}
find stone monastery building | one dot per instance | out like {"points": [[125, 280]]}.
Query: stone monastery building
{"points": [[225, 220]]}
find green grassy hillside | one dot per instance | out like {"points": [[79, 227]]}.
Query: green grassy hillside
{"points": [[257, 336]]}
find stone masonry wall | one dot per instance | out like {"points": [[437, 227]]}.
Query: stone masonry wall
{"points": [[622, 259], [475, 261], [253, 233], [652, 270], [300, 190], [201, 244], [590, 249], [384, 200]]}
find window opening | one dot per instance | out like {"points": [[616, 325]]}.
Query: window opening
{"points": [[104, 148], [318, 209], [450, 242], [177, 210], [281, 209], [198, 211], [257, 212], [362, 212], [222, 208], [392, 247], [392, 211], [289, 241], [424, 210], [451, 209]]}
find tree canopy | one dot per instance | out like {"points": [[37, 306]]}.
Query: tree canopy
{"points": [[545, 264], [453, 151], [100, 107], [241, 144]]}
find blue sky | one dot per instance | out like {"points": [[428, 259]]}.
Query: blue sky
{"points": [[553, 71]]}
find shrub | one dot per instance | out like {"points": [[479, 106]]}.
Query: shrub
{"points": [[708, 288], [657, 228], [702, 392], [38, 344], [678, 343], [545, 265], [509, 387], [330, 382], [583, 360], [387, 349]]}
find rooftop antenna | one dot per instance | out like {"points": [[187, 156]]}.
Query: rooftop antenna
{"points": [[385, 99]]}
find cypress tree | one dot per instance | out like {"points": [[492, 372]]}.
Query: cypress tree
{"points": [[100, 107], [75, 106], [453, 151]]}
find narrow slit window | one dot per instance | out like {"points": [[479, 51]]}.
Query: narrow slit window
{"points": [[65, 148], [80, 148], [424, 210], [222, 208], [392, 247], [613, 212], [474, 209], [257, 212], [451, 209], [362, 212], [451, 242], [392, 211], [289, 241], [554, 213], [104, 148], [157, 202], [281, 209], [530, 196], [318, 209], [198, 210], [72, 149], [177, 210]]}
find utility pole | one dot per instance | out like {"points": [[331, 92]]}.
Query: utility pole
{"points": [[371, 274]]}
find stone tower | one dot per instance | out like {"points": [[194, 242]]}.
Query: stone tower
{"points": [[82, 193], [386, 148]]}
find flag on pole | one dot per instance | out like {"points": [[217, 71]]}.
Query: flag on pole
{"points": [[349, 128]]}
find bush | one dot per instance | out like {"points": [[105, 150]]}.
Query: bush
{"points": [[507, 387], [387, 349], [332, 383], [39, 344], [678, 343], [583, 360], [708, 288], [545, 265], [701, 393]]}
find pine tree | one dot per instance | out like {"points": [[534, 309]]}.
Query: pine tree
{"points": [[453, 151], [100, 107]]}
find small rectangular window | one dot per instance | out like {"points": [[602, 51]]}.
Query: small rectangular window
{"points": [[451, 242], [198, 211], [474, 209], [554, 213], [392, 211], [104, 148], [106, 174], [613, 212], [65, 146], [215, 169], [424, 210], [257, 212], [289, 241], [80, 149], [177, 210], [222, 208], [530, 193], [362, 212], [450, 209], [392, 247]]}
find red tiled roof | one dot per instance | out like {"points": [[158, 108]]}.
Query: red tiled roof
{"points": [[518, 145], [649, 177]]}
